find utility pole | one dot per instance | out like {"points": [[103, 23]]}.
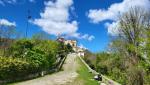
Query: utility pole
{"points": [[28, 18]]}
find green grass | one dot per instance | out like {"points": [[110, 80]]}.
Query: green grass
{"points": [[84, 75]]}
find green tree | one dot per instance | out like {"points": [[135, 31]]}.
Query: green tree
{"points": [[130, 43], [69, 48]]}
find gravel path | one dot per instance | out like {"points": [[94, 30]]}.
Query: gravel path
{"points": [[61, 78]]}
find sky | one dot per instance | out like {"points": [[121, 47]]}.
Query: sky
{"points": [[91, 22]]}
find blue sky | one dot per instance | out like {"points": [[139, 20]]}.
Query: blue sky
{"points": [[91, 22]]}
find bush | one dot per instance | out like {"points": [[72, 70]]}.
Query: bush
{"points": [[38, 61], [118, 75], [11, 68], [49, 49], [135, 76], [18, 48], [42, 52], [102, 69], [90, 59], [30, 57]]}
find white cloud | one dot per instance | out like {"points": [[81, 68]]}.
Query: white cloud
{"points": [[113, 28], [80, 36], [3, 2], [55, 19], [98, 15], [82, 46], [91, 38], [4, 22]]}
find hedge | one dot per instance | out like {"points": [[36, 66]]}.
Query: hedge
{"points": [[11, 68]]}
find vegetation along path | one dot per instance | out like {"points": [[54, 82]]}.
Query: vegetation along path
{"points": [[74, 73], [67, 75]]}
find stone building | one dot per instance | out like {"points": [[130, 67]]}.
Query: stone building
{"points": [[73, 44]]}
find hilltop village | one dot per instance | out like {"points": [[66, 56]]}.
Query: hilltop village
{"points": [[80, 51]]}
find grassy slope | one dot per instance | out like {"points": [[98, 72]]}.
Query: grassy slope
{"points": [[84, 78], [85, 75]]}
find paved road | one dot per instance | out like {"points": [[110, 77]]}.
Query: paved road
{"points": [[61, 78]]}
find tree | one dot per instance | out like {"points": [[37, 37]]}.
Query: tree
{"points": [[7, 33], [132, 27], [147, 47], [130, 42], [69, 48]]}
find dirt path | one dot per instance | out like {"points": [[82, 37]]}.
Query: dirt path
{"points": [[61, 78]]}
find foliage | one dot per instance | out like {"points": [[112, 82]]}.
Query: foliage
{"points": [[90, 59], [49, 49], [18, 48], [11, 68], [30, 56], [128, 61], [69, 48], [37, 60], [135, 76]]}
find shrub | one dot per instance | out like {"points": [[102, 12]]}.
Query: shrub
{"points": [[41, 51], [38, 61], [49, 49], [135, 76], [18, 48], [11, 68], [30, 57]]}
